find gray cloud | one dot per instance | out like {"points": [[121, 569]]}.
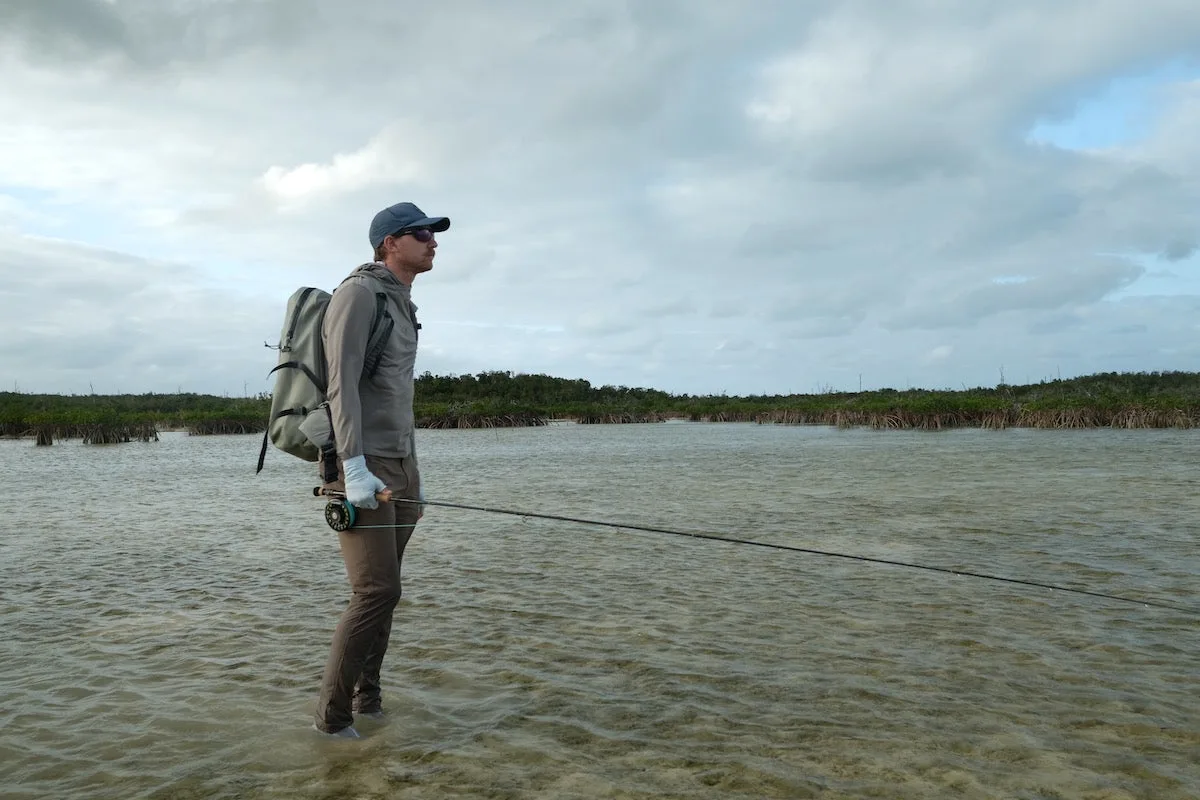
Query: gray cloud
{"points": [[1179, 250], [1046, 287], [680, 194], [144, 36], [79, 317], [78, 30]]}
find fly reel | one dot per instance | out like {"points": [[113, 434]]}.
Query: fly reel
{"points": [[340, 515]]}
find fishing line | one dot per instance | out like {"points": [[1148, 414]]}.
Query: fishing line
{"points": [[793, 549]]}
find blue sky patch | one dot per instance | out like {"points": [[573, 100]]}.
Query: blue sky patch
{"points": [[1122, 113]]}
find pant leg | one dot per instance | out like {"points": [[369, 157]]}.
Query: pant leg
{"points": [[371, 551], [404, 482]]}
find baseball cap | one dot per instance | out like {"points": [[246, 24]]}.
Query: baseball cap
{"points": [[401, 216]]}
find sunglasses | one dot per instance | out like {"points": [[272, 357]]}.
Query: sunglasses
{"points": [[422, 235]]}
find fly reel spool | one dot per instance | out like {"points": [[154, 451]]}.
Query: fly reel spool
{"points": [[340, 515]]}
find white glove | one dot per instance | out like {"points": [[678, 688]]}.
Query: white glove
{"points": [[361, 483]]}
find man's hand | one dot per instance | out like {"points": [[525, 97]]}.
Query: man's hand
{"points": [[361, 483]]}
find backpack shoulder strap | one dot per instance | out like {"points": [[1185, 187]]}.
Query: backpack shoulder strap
{"points": [[381, 325], [381, 331]]}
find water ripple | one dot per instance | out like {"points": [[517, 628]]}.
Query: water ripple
{"points": [[166, 640]]}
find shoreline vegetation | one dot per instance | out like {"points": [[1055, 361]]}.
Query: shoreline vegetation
{"points": [[504, 399]]}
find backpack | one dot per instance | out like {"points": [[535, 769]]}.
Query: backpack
{"points": [[299, 423]]}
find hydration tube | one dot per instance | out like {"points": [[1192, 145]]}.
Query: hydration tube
{"points": [[343, 515]]}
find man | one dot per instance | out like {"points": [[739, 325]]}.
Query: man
{"points": [[373, 426]]}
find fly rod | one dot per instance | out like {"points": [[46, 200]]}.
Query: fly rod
{"points": [[343, 512]]}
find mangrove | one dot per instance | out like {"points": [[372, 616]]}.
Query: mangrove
{"points": [[505, 399]]}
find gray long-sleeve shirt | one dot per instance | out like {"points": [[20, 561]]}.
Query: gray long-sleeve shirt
{"points": [[371, 416]]}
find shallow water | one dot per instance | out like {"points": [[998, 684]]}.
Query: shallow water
{"points": [[166, 615]]}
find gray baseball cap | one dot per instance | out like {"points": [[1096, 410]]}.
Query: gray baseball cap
{"points": [[400, 217]]}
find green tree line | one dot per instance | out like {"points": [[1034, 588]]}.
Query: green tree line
{"points": [[1144, 399]]}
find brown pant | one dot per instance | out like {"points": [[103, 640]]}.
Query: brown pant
{"points": [[372, 550]]}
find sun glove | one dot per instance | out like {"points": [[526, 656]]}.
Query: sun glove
{"points": [[361, 483]]}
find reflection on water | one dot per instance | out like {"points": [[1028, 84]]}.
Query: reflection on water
{"points": [[166, 615]]}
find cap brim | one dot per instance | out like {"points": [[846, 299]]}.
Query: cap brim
{"points": [[435, 224]]}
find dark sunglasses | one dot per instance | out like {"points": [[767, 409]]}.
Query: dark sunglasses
{"points": [[422, 235]]}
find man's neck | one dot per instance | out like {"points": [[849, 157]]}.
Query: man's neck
{"points": [[405, 276]]}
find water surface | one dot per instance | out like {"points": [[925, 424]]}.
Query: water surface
{"points": [[166, 614]]}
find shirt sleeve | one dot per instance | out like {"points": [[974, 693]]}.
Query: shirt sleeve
{"points": [[345, 332]]}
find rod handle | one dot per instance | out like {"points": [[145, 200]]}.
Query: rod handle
{"points": [[320, 491]]}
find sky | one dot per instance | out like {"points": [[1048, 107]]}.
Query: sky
{"points": [[701, 197]]}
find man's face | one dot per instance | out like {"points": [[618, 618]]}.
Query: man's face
{"points": [[414, 250]]}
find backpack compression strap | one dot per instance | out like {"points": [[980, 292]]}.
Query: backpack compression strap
{"points": [[262, 453], [303, 368]]}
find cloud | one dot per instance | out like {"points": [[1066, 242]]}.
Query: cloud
{"points": [[939, 353], [395, 154], [83, 318], [1179, 250], [1052, 287], [81, 30], [677, 194]]}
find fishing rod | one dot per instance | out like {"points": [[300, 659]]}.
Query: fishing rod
{"points": [[340, 515]]}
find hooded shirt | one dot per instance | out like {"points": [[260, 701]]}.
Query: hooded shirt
{"points": [[370, 415]]}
